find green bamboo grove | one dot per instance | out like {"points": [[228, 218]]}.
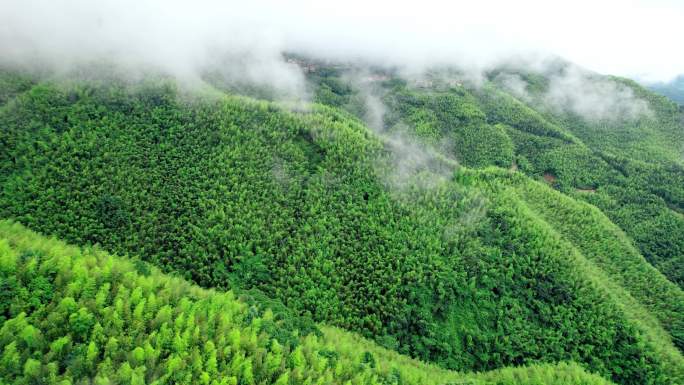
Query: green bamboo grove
{"points": [[77, 316], [476, 232]]}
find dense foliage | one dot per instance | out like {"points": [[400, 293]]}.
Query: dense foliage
{"points": [[72, 316], [630, 168], [315, 211]]}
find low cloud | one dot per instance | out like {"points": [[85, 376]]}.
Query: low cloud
{"points": [[594, 98], [411, 161], [414, 163], [514, 84], [184, 38], [242, 43], [571, 89]]}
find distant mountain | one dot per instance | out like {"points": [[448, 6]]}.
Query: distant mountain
{"points": [[673, 90]]}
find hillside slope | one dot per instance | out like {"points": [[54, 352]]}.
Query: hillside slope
{"points": [[373, 233], [71, 315], [601, 139]]}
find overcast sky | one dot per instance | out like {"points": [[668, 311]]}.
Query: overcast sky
{"points": [[638, 38]]}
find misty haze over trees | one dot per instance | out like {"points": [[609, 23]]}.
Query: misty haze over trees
{"points": [[358, 193]]}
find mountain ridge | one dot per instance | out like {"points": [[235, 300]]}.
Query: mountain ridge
{"points": [[377, 230]]}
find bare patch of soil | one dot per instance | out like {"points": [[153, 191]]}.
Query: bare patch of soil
{"points": [[550, 178]]}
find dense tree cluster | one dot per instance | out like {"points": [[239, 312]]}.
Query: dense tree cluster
{"points": [[233, 193], [433, 117], [631, 168], [72, 316], [604, 244]]}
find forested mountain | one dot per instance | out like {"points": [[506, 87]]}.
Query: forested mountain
{"points": [[69, 315], [631, 167], [472, 225]]}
